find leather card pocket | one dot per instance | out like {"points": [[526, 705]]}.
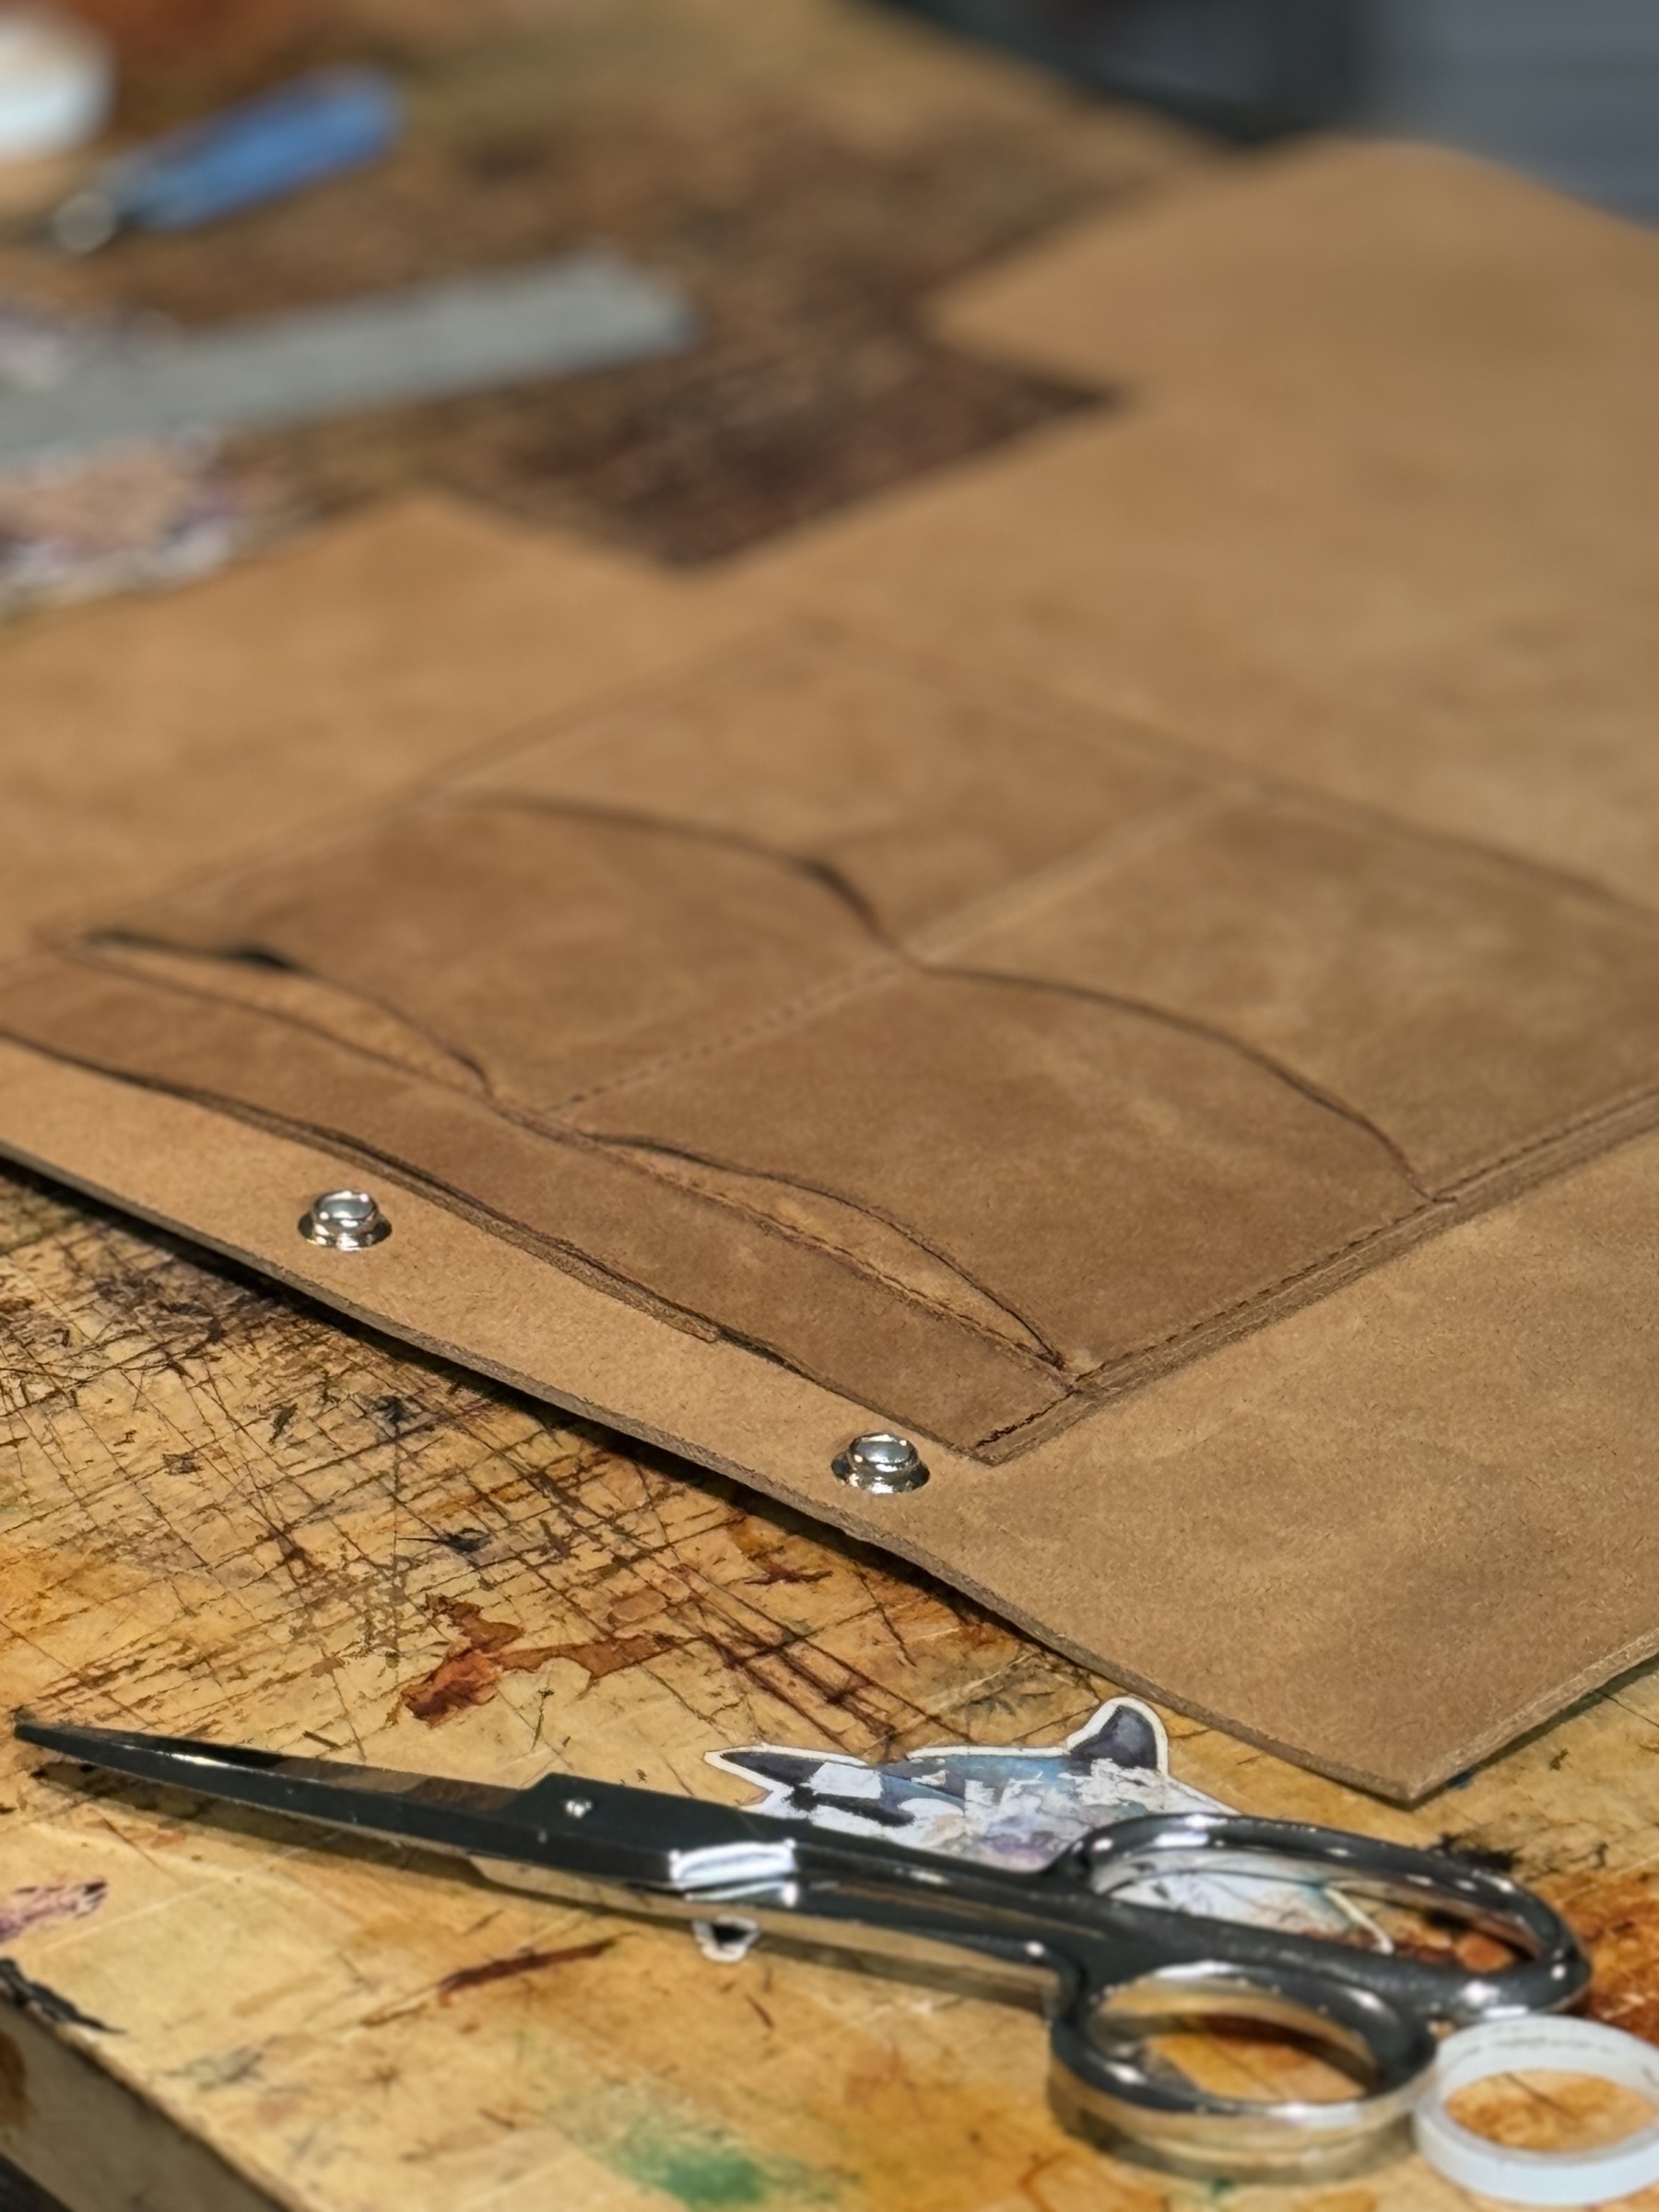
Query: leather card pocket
{"points": [[975, 1059]]}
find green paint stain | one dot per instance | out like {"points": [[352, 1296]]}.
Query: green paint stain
{"points": [[710, 2173]]}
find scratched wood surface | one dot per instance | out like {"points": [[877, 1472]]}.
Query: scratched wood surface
{"points": [[221, 1511]]}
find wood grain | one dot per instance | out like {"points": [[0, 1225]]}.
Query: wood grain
{"points": [[220, 1512]]}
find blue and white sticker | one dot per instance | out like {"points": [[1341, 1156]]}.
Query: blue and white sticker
{"points": [[1020, 1808]]}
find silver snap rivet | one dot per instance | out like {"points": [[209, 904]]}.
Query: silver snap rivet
{"points": [[345, 1221], [579, 1807], [881, 1463]]}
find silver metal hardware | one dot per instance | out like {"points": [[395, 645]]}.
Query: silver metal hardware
{"points": [[1117, 1973], [732, 1867], [345, 1221], [881, 1463], [579, 1807], [726, 1942]]}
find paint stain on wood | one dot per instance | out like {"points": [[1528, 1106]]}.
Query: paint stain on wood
{"points": [[470, 1672], [706, 2172], [48, 2005], [517, 1963], [514, 1966], [43, 1904], [610, 1655]]}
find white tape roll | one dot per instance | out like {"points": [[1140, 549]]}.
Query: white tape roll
{"points": [[1540, 2177], [57, 79]]}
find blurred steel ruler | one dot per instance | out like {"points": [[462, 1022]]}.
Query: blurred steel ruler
{"points": [[591, 309]]}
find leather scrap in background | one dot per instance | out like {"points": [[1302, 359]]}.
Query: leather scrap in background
{"points": [[1078, 959]]}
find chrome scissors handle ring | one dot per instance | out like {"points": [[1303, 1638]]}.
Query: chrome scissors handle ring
{"points": [[1373, 2013], [1104, 2082], [1549, 1972]]}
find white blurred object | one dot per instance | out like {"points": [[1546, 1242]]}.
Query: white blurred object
{"points": [[56, 82]]}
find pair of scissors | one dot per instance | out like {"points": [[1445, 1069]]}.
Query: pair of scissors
{"points": [[1109, 1971]]}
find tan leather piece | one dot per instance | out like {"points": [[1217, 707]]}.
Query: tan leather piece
{"points": [[697, 1262], [1463, 1005], [1251, 1038], [1337, 645], [1302, 606], [150, 738], [921, 792], [549, 954], [1386, 1536], [1174, 1180], [1377, 516], [1394, 292]]}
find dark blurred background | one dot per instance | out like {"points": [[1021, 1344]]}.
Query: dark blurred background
{"points": [[1568, 89]]}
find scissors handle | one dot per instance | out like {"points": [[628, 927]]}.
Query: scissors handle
{"points": [[1372, 2012], [1117, 1966], [1108, 2082], [1549, 1972]]}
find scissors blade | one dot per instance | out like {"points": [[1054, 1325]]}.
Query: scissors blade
{"points": [[564, 1824]]}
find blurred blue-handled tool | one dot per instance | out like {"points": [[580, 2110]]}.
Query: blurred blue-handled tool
{"points": [[313, 128]]}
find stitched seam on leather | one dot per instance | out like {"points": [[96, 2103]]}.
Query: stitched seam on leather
{"points": [[103, 951], [361, 816], [1444, 1204], [627, 1154], [1495, 1163], [1143, 730], [1261, 1293], [896, 960], [865, 1268], [572, 1139], [911, 956], [888, 968], [1442, 1201], [1078, 1384]]}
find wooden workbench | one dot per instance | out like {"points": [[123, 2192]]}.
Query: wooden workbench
{"points": [[222, 1512]]}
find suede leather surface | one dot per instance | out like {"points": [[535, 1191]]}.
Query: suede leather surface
{"points": [[1032, 960], [144, 740], [974, 1061]]}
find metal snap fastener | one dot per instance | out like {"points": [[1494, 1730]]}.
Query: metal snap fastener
{"points": [[881, 1463], [345, 1221]]}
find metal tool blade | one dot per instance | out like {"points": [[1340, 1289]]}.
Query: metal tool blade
{"points": [[564, 1823], [584, 310]]}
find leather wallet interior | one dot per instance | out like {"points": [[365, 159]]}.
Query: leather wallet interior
{"points": [[973, 1058], [1135, 960]]}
